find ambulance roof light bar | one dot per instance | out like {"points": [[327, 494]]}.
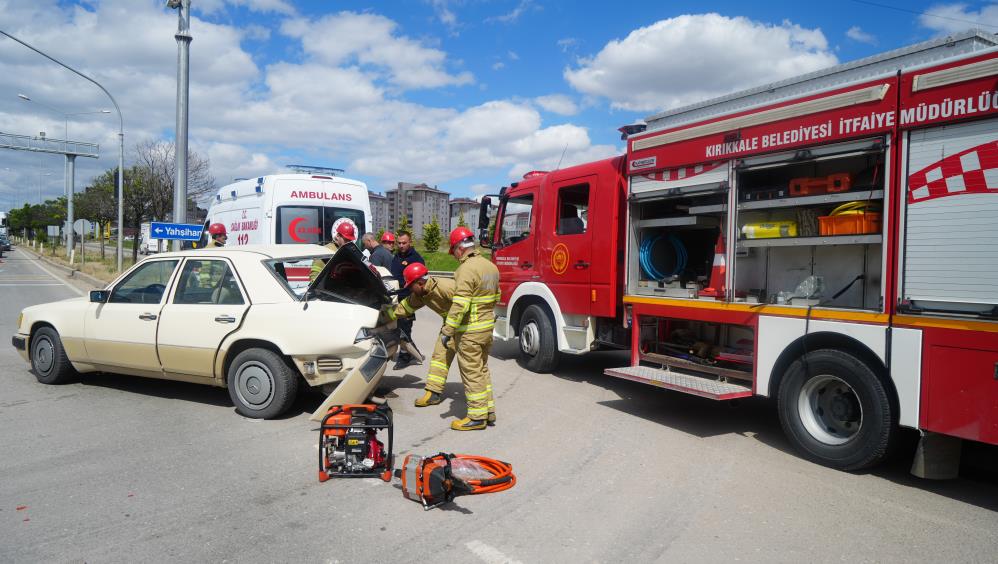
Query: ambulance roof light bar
{"points": [[309, 169]]}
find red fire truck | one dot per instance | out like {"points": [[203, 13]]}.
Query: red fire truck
{"points": [[830, 241]]}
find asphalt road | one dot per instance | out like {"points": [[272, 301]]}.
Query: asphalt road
{"points": [[120, 469]]}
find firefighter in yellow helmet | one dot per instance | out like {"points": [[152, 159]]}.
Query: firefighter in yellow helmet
{"points": [[343, 232], [469, 322], [436, 293]]}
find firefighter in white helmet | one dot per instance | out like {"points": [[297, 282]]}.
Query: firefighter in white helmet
{"points": [[342, 232]]}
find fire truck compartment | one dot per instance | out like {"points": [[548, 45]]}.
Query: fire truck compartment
{"points": [[719, 351]]}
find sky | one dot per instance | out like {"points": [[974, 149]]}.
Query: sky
{"points": [[465, 95]]}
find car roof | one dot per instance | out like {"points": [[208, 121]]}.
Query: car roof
{"points": [[264, 251]]}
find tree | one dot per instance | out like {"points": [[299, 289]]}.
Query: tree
{"points": [[431, 236], [403, 226], [101, 202], [381, 233], [460, 219], [492, 231], [159, 161]]}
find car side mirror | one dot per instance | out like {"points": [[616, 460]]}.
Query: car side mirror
{"points": [[99, 296], [483, 213]]}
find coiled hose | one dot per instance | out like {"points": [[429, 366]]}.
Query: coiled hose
{"points": [[502, 474], [648, 266]]}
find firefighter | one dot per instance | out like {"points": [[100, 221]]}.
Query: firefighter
{"points": [[388, 241], [218, 235], [342, 233], [435, 293], [469, 322]]}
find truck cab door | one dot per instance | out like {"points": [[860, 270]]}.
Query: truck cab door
{"points": [[565, 256], [515, 243]]}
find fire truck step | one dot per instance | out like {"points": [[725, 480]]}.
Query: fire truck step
{"points": [[681, 382]]}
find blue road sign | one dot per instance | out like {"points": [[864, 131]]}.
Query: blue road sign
{"points": [[175, 231]]}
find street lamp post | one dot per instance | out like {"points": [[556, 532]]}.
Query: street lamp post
{"points": [[69, 171], [183, 37], [40, 175], [121, 143]]}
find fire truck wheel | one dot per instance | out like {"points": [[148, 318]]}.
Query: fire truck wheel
{"points": [[538, 344], [836, 410], [48, 358], [261, 384]]}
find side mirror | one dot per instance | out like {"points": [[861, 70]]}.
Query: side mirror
{"points": [[99, 296], [483, 213], [483, 238]]}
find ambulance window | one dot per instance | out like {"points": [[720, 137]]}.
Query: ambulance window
{"points": [[573, 209], [298, 224], [331, 215], [516, 219]]}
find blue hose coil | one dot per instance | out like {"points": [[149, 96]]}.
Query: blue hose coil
{"points": [[645, 259]]}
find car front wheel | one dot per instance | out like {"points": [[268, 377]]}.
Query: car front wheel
{"points": [[261, 384], [48, 358]]}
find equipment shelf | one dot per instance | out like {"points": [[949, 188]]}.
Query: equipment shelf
{"points": [[812, 241], [688, 221], [813, 200]]}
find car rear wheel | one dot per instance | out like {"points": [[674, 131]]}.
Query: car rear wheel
{"points": [[48, 358], [261, 384], [538, 343], [836, 410]]}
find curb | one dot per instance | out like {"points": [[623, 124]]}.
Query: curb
{"points": [[68, 270]]}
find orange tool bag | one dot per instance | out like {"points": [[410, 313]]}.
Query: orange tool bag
{"points": [[814, 186]]}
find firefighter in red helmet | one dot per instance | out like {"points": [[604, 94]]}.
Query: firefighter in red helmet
{"points": [[218, 235], [469, 322], [436, 293]]}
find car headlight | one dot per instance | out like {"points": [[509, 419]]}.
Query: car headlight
{"points": [[362, 335], [20, 318]]}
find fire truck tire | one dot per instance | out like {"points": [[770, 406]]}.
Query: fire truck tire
{"points": [[261, 384], [538, 343], [48, 358], [836, 410]]}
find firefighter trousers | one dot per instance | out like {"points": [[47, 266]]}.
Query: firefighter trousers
{"points": [[440, 363], [473, 357]]}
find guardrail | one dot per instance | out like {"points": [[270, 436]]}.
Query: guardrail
{"points": [[441, 273]]}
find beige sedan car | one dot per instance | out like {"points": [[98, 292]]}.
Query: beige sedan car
{"points": [[239, 318]]}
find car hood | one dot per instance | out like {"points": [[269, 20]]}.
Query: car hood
{"points": [[347, 278]]}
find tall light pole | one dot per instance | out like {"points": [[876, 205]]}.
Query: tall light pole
{"points": [[69, 171], [40, 175], [183, 37], [121, 143]]}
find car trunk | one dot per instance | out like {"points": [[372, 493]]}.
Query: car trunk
{"points": [[346, 278]]}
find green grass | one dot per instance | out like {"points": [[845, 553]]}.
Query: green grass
{"points": [[440, 261]]}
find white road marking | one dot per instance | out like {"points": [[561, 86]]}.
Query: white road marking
{"points": [[489, 554], [37, 263]]}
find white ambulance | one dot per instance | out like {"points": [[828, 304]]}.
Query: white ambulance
{"points": [[297, 207]]}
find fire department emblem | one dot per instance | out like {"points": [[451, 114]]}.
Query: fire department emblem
{"points": [[559, 259]]}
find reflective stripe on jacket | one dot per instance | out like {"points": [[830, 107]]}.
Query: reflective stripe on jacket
{"points": [[475, 295]]}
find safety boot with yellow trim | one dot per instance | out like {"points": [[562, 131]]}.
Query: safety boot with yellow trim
{"points": [[468, 424], [429, 398], [491, 419]]}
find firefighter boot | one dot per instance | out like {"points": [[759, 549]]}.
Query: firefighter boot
{"points": [[429, 398], [468, 424]]}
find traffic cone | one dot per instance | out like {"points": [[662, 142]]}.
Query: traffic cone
{"points": [[717, 272]]}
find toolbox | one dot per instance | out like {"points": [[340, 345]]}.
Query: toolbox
{"points": [[814, 186]]}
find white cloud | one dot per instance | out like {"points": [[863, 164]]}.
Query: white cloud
{"points": [[371, 41], [444, 13], [513, 15], [956, 17], [566, 44], [692, 57], [498, 65], [857, 34], [480, 190], [512, 55], [558, 104], [211, 7]]}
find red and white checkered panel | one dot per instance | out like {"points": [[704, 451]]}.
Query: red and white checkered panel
{"points": [[972, 171], [683, 172]]}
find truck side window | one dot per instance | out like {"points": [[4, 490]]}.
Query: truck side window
{"points": [[516, 219], [573, 209]]}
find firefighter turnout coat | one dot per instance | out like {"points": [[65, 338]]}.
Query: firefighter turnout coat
{"points": [[439, 292]]}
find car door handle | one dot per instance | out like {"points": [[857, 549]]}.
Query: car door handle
{"points": [[526, 265], [148, 317], [581, 265], [225, 319]]}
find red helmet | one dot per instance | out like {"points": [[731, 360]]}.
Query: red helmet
{"points": [[459, 234], [414, 272], [216, 229], [388, 237], [346, 230]]}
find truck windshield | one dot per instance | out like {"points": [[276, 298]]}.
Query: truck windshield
{"points": [[312, 224]]}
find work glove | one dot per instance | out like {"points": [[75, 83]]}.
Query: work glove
{"points": [[444, 340]]}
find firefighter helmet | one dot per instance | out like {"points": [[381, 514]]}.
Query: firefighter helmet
{"points": [[216, 229], [414, 272], [346, 230], [459, 235], [388, 237]]}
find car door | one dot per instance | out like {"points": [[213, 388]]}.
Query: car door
{"points": [[565, 253], [208, 303], [514, 252], [120, 334]]}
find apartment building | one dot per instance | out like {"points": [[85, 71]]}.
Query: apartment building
{"points": [[420, 203]]}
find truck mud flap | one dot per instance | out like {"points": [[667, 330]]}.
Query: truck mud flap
{"points": [[360, 383]]}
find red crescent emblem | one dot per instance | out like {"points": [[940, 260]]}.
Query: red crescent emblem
{"points": [[291, 229]]}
